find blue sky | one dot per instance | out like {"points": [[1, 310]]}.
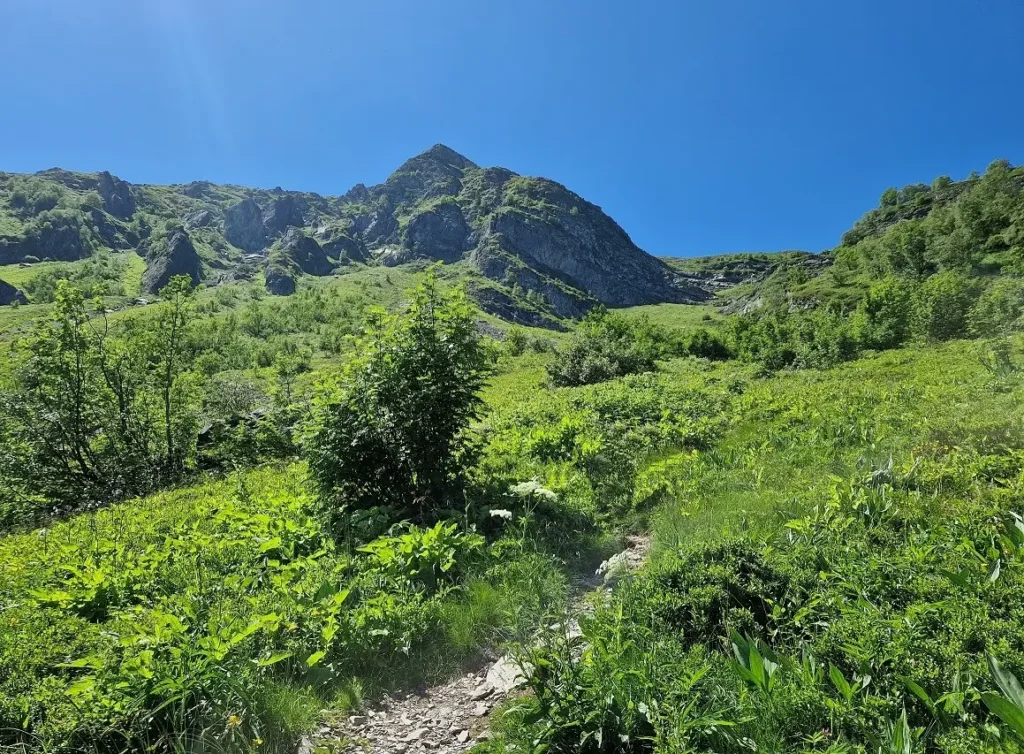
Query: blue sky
{"points": [[702, 127]]}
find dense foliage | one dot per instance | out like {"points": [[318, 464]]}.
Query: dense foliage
{"points": [[833, 481], [393, 433], [604, 346], [90, 416]]}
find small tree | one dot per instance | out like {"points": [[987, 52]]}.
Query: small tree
{"points": [[89, 415], [393, 431], [999, 310], [882, 319], [605, 346], [942, 305]]}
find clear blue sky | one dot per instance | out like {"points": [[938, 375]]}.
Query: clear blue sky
{"points": [[702, 127]]}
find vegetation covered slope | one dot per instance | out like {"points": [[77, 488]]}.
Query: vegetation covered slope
{"points": [[531, 235], [229, 515]]}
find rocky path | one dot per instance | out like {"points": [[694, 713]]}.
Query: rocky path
{"points": [[454, 716]]}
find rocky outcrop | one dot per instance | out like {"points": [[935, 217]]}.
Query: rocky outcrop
{"points": [[305, 253], [197, 189], [112, 234], [576, 242], [436, 173], [52, 237], [243, 226], [344, 248], [279, 280], [439, 233], [283, 213], [10, 295], [117, 196], [175, 257], [202, 218], [294, 254]]}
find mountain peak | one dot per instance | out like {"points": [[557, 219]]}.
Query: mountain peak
{"points": [[448, 156]]}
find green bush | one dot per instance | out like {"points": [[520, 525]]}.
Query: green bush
{"points": [[999, 310], [882, 319], [942, 305], [393, 432], [605, 346]]}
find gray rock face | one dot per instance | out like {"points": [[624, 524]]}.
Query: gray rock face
{"points": [[179, 257], [345, 248], [279, 281], [305, 253], [440, 233], [10, 295], [382, 228], [243, 226], [202, 218], [285, 212], [58, 239], [113, 234], [117, 196], [577, 243]]}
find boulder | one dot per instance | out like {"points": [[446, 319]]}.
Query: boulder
{"points": [[243, 226], [305, 253], [439, 233], [201, 218], [117, 196], [279, 280], [10, 295], [177, 257], [285, 212]]}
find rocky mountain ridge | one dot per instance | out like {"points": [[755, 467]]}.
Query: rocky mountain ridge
{"points": [[532, 237]]}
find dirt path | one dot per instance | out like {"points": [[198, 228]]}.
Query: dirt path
{"points": [[454, 716]]}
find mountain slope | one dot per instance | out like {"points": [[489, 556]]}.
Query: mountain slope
{"points": [[532, 236]]}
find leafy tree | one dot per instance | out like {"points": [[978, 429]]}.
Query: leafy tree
{"points": [[169, 358], [393, 432], [604, 346], [91, 415], [942, 305], [905, 249], [999, 310], [890, 197], [882, 319]]}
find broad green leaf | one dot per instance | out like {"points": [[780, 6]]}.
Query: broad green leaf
{"points": [[919, 692], [273, 659], [1007, 682], [1008, 712]]}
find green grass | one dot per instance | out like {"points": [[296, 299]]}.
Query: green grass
{"points": [[678, 316], [820, 522]]}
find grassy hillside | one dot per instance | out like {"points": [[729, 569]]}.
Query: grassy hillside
{"points": [[230, 517]]}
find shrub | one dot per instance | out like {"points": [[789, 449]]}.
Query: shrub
{"points": [[604, 346], [999, 310], [882, 319], [705, 344], [394, 430], [516, 341], [942, 305]]}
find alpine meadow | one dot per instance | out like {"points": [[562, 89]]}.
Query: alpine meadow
{"points": [[451, 464]]}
